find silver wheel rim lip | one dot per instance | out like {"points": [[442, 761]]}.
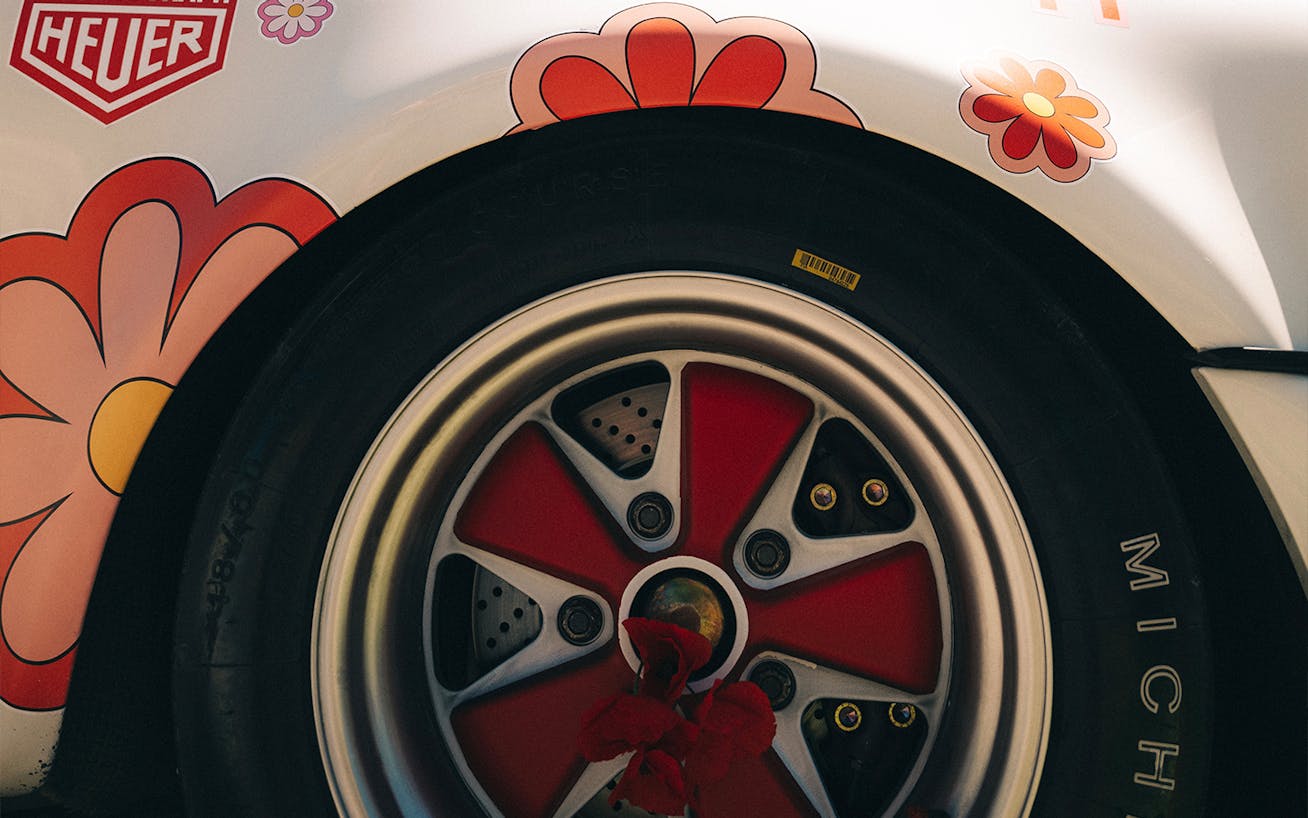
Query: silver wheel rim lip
{"points": [[1004, 689]]}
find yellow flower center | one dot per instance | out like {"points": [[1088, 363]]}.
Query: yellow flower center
{"points": [[1037, 104], [120, 426], [295, 9]]}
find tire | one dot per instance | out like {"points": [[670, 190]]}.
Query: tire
{"points": [[424, 433]]}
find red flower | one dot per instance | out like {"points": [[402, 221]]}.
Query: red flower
{"points": [[732, 721], [668, 654]]}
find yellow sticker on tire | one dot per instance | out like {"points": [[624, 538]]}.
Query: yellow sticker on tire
{"points": [[829, 270]]}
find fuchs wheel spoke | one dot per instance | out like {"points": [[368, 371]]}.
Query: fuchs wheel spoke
{"points": [[755, 786], [739, 429], [808, 555], [520, 742], [896, 637], [549, 649], [589, 783], [814, 684], [531, 507], [663, 478]]}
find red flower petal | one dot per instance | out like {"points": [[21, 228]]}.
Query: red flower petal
{"points": [[669, 654], [578, 86], [652, 781], [1020, 137], [735, 721], [997, 108], [661, 61], [745, 74], [678, 741], [710, 759], [1059, 146], [627, 722]]}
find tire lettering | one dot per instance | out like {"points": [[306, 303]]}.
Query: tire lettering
{"points": [[1161, 751], [1154, 674], [1143, 548]]}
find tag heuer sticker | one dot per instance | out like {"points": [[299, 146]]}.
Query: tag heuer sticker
{"points": [[113, 57]]}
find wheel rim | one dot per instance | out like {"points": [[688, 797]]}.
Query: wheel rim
{"points": [[486, 478]]}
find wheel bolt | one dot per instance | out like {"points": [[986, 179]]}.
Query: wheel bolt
{"points": [[848, 716], [776, 681], [766, 554], [580, 620], [650, 516], [902, 715], [876, 492], [822, 496]]}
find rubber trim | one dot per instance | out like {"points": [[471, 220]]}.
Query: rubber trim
{"points": [[1255, 359]]}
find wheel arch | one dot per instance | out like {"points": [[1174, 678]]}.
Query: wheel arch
{"points": [[117, 739]]}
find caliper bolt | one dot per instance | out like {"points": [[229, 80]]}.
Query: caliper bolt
{"points": [[580, 620], [766, 554], [650, 516], [848, 716], [776, 682], [876, 492], [822, 496], [902, 715]]}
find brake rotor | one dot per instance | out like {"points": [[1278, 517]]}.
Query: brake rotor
{"points": [[623, 428]]}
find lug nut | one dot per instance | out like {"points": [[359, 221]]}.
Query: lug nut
{"points": [[766, 554], [848, 716], [902, 715], [650, 516], [822, 496], [580, 620], [776, 681], [876, 492]]}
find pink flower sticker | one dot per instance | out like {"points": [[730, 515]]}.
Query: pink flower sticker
{"points": [[1035, 117], [96, 328], [668, 55], [289, 20]]}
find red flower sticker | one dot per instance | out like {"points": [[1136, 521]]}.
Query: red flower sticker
{"points": [[1036, 117], [665, 55]]}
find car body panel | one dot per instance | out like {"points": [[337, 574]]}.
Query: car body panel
{"points": [[1194, 198], [1266, 414]]}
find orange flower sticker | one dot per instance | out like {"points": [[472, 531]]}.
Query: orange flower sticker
{"points": [[667, 55], [1036, 117]]}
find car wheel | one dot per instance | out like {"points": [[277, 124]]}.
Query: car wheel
{"points": [[858, 442]]}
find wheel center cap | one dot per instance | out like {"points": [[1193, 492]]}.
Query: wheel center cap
{"points": [[696, 595], [689, 603]]}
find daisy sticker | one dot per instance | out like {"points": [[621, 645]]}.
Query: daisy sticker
{"points": [[1035, 117], [289, 20], [96, 329]]}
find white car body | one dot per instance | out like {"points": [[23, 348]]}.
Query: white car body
{"points": [[1200, 209]]}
